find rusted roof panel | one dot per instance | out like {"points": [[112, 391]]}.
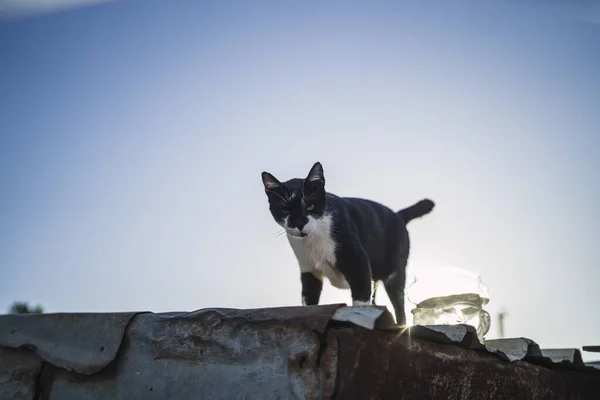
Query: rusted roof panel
{"points": [[263, 353], [320, 352], [381, 365]]}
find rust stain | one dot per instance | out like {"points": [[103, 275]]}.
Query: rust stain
{"points": [[399, 367]]}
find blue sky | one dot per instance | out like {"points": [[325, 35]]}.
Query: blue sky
{"points": [[133, 135]]}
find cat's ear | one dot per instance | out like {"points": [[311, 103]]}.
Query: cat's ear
{"points": [[316, 174], [270, 181]]}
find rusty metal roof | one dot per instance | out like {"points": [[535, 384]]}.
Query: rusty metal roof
{"points": [[320, 352]]}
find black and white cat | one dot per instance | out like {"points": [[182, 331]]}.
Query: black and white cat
{"points": [[349, 241]]}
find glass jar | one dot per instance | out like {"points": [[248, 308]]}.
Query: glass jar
{"points": [[450, 296]]}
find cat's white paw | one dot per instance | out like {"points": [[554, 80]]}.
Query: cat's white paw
{"points": [[358, 303]]}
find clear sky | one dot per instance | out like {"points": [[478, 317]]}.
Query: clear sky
{"points": [[133, 135]]}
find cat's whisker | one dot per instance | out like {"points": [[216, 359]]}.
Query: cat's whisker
{"points": [[311, 194], [280, 233], [278, 195], [281, 238]]}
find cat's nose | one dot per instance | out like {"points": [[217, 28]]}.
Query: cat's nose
{"points": [[300, 225]]}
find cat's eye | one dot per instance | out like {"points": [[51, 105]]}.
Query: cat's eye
{"points": [[310, 207]]}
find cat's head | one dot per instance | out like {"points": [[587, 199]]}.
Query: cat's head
{"points": [[297, 204]]}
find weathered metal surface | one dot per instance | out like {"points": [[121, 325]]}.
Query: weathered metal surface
{"points": [[84, 343], [593, 364], [459, 335], [558, 355], [514, 349], [370, 317], [594, 349], [19, 370], [276, 353], [213, 353], [382, 365], [465, 336]]}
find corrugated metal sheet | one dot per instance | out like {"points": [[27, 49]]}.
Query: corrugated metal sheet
{"points": [[216, 353], [558, 355], [380, 365], [277, 353]]}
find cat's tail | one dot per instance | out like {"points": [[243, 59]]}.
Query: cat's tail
{"points": [[416, 210]]}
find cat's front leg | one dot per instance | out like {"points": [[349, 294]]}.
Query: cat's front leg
{"points": [[311, 288]]}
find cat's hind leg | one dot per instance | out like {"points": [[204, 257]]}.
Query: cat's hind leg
{"points": [[394, 286]]}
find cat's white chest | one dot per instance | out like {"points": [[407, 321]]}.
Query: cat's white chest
{"points": [[316, 253]]}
